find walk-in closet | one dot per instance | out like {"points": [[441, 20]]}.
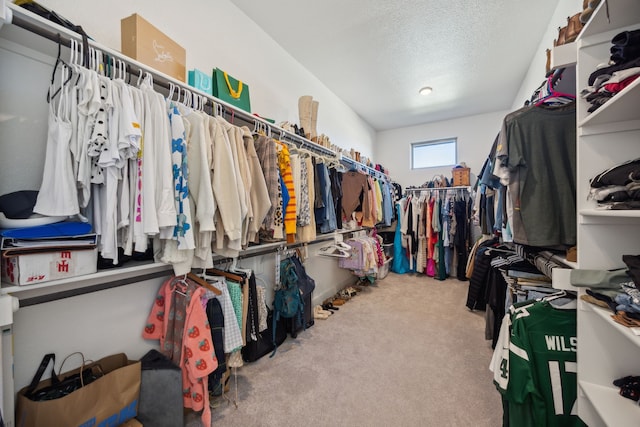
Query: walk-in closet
{"points": [[237, 213]]}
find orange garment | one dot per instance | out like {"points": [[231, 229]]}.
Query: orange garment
{"points": [[290, 214]]}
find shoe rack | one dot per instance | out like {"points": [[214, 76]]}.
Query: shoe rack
{"points": [[606, 137]]}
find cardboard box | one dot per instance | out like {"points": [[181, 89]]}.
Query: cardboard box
{"points": [[461, 176], [143, 42], [41, 267]]}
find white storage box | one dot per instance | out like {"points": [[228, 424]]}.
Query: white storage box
{"points": [[41, 267]]}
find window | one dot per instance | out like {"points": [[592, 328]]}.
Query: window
{"points": [[430, 154]]}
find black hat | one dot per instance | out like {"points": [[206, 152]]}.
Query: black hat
{"points": [[19, 204]]}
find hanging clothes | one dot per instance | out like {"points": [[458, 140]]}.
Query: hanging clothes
{"points": [[268, 158], [336, 193], [179, 320], [307, 233], [259, 194], [326, 214], [355, 193], [290, 213], [537, 144], [400, 264]]}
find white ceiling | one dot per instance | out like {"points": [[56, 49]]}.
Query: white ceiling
{"points": [[376, 54]]}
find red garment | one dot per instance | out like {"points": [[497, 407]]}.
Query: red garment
{"points": [[180, 322], [617, 87]]}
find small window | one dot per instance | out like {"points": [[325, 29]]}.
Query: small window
{"points": [[431, 154]]}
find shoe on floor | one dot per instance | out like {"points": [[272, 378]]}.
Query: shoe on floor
{"points": [[319, 313]]}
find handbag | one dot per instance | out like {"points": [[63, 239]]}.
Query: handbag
{"points": [[58, 388], [263, 343], [111, 398], [231, 90]]}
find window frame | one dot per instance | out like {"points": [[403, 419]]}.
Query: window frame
{"points": [[434, 142]]}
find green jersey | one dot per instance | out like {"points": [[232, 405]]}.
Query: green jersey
{"points": [[542, 365]]}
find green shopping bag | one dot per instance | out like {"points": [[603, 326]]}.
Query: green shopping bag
{"points": [[230, 90]]}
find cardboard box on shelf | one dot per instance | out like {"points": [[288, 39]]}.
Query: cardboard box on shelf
{"points": [[143, 42], [461, 176], [41, 267]]}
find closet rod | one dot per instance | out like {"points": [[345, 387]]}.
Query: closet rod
{"points": [[272, 250], [41, 299], [373, 172], [460, 187], [49, 30]]}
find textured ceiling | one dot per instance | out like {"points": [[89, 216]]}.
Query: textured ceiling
{"points": [[376, 54]]}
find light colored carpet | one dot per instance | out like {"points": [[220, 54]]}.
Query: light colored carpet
{"points": [[404, 352]]}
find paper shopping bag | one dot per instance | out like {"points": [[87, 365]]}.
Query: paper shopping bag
{"points": [[231, 90], [111, 398], [201, 80]]}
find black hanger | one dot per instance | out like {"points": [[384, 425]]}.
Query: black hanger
{"points": [[58, 62]]}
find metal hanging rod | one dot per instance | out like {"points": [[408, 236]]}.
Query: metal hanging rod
{"points": [[460, 187], [364, 168]]}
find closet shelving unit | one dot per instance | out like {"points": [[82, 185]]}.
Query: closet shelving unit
{"points": [[606, 137], [41, 35]]}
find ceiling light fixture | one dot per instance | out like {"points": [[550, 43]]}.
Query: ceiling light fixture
{"points": [[425, 90]]}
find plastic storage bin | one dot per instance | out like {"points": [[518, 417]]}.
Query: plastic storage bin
{"points": [[388, 249], [384, 270]]}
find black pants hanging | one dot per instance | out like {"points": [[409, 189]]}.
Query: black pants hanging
{"points": [[461, 237]]}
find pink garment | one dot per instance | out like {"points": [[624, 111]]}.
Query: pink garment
{"points": [[185, 336]]}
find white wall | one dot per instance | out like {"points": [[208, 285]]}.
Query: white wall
{"points": [[475, 135], [535, 74], [218, 34]]}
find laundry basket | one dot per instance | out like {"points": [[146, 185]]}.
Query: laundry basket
{"points": [[384, 270]]}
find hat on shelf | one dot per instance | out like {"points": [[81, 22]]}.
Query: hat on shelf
{"points": [[16, 210]]}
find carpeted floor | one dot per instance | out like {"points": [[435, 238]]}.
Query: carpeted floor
{"points": [[404, 352]]}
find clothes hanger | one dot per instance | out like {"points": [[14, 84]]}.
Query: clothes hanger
{"points": [[553, 96], [571, 304], [200, 281], [228, 275], [181, 285], [234, 268], [63, 68], [334, 251]]}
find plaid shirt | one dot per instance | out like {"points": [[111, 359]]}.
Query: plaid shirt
{"points": [[268, 157]]}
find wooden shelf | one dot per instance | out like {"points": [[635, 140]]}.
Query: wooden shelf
{"points": [[612, 408]]}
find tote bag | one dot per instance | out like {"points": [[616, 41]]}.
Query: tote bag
{"points": [[231, 90], [110, 399]]}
